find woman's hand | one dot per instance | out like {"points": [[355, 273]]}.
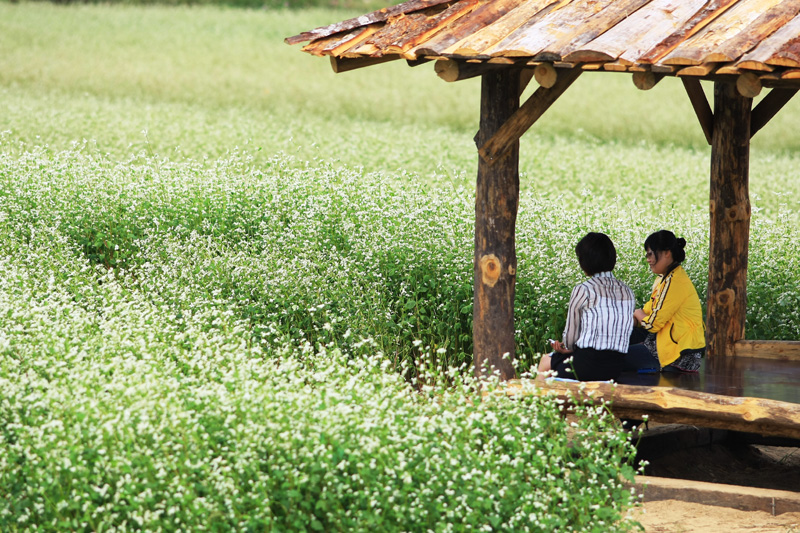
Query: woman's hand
{"points": [[559, 347], [639, 315]]}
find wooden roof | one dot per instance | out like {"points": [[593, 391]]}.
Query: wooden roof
{"points": [[705, 39]]}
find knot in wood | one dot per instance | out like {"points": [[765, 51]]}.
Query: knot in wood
{"points": [[726, 297], [736, 213], [511, 270], [490, 269]]}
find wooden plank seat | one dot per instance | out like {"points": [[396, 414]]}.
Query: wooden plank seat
{"points": [[747, 394], [750, 377]]}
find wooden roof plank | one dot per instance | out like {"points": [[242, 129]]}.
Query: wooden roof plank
{"points": [[469, 24], [757, 31], [412, 36], [398, 28], [405, 31], [508, 22], [663, 36], [702, 46], [697, 22], [344, 65], [338, 43], [729, 69], [381, 15], [557, 26], [697, 70], [753, 65], [615, 66], [639, 32], [597, 25], [782, 48]]}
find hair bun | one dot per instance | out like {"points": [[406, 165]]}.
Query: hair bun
{"points": [[681, 242]]}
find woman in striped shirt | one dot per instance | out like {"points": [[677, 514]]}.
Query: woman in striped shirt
{"points": [[599, 318]]}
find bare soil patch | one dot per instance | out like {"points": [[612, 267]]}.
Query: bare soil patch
{"points": [[695, 454], [749, 465]]}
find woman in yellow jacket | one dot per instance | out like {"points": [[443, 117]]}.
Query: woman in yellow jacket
{"points": [[670, 325]]}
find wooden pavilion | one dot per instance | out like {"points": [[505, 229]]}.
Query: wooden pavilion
{"points": [[741, 46]]}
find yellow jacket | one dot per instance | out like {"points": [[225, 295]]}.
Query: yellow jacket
{"points": [[674, 314]]}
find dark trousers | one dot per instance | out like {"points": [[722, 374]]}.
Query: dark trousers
{"points": [[588, 364]]}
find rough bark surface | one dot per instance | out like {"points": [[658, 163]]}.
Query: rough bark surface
{"points": [[730, 220], [495, 261]]}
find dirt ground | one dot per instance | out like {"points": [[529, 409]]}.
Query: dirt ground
{"points": [[671, 516], [746, 465]]}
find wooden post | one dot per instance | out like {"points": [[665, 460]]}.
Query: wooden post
{"points": [[495, 261], [730, 220]]}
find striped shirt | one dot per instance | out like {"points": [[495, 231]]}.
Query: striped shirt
{"points": [[600, 314]]}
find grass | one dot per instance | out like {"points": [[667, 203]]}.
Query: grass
{"points": [[235, 288], [213, 79]]}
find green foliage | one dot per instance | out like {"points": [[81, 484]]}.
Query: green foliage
{"points": [[359, 5], [219, 380]]}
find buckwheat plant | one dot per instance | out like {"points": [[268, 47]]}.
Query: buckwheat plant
{"points": [[231, 345]]}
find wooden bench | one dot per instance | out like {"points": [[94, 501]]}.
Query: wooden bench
{"points": [[749, 394]]}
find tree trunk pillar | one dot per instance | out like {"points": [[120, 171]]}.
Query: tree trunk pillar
{"points": [[730, 220], [495, 261]]}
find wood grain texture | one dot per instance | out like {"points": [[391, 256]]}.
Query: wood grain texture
{"points": [[697, 22], [381, 15], [729, 24], [644, 81], [639, 32], [556, 26], [701, 38], [784, 350], [672, 405], [729, 208], [700, 105], [495, 259], [782, 48], [513, 16], [473, 22], [765, 24]]}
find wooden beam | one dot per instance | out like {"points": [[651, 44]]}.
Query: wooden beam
{"points": [[646, 80], [344, 64], [525, 77], [451, 70], [768, 107], [540, 101], [674, 406], [787, 350], [546, 75], [417, 62], [749, 85], [729, 208], [700, 104], [495, 259]]}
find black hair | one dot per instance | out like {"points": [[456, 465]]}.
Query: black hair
{"points": [[596, 253], [664, 240]]}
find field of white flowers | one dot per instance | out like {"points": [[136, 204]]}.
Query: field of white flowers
{"points": [[239, 296], [236, 347]]}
